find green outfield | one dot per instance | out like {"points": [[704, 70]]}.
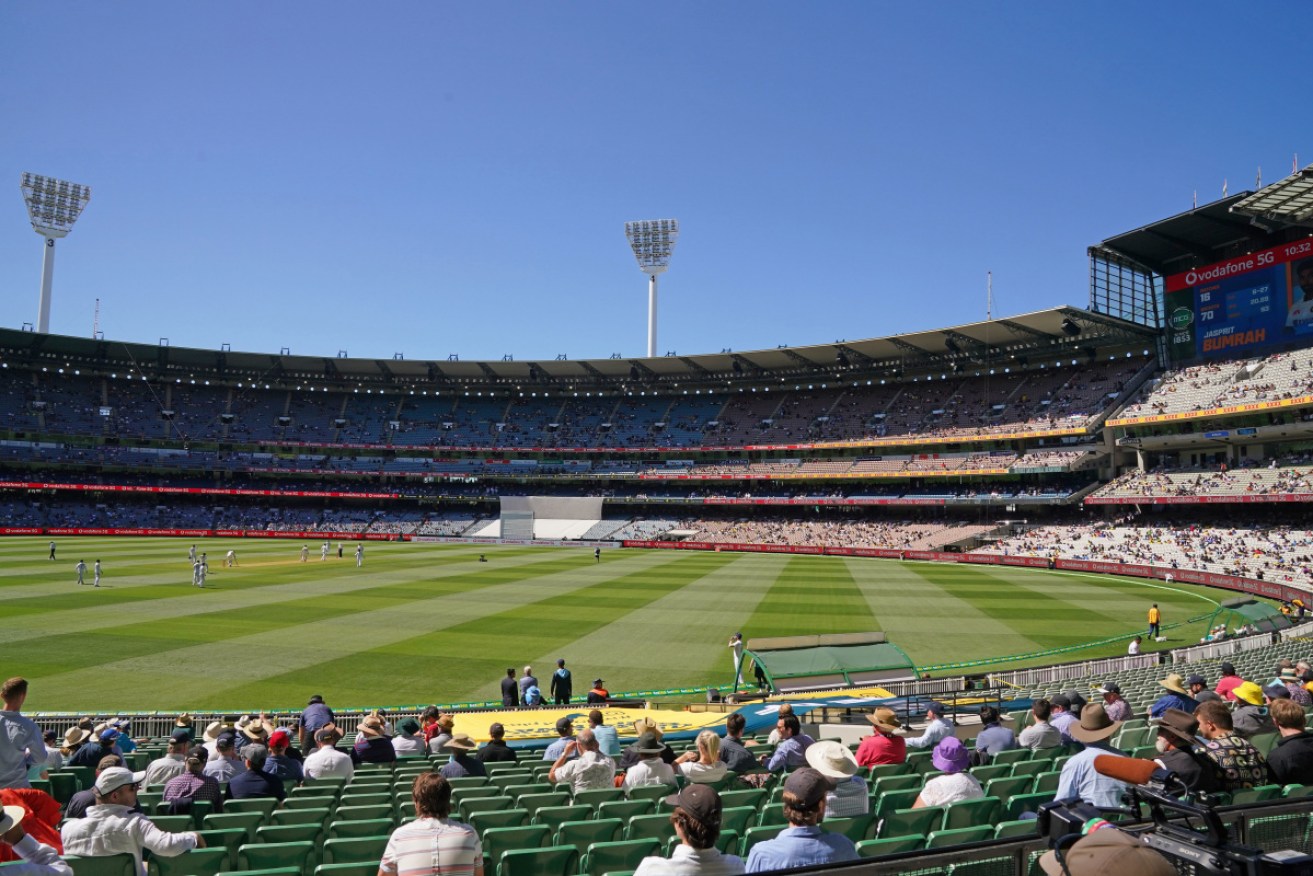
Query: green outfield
{"points": [[425, 623]]}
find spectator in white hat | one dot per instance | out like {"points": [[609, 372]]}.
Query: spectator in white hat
{"points": [[849, 795], [39, 859], [112, 828]]}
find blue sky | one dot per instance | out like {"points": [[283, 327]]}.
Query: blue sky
{"points": [[436, 178]]}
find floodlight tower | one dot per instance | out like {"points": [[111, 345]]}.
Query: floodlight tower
{"points": [[653, 242], [53, 205]]}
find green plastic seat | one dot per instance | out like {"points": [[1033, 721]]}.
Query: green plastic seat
{"points": [[1004, 788], [262, 805], [350, 850], [881, 770], [320, 788], [582, 834], [1245, 796], [310, 801], [467, 782], [1021, 803], [288, 833], [753, 797], [857, 828], [230, 839], [379, 799], [1009, 829], [654, 826], [607, 857], [940, 838], [555, 816], [625, 809], [973, 813], [299, 816], [469, 806], [1047, 782], [596, 796], [898, 783], [905, 822], [550, 861], [63, 786], [356, 813], [363, 868], [497, 840], [1012, 756], [738, 818], [891, 801], [247, 821], [893, 845], [273, 856], [276, 871], [359, 828], [534, 802], [106, 865], [1030, 768], [173, 823], [197, 862], [984, 774], [482, 821]]}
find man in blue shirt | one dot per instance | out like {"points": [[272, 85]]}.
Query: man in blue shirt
{"points": [[802, 843], [1177, 697], [316, 717], [1079, 779], [564, 729], [255, 782], [792, 750], [993, 737], [937, 727]]}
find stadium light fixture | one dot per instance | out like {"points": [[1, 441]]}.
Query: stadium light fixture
{"points": [[653, 242], [53, 205]]}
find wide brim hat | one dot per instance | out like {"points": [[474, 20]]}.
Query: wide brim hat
{"points": [[13, 816], [1178, 723], [649, 743], [372, 726], [461, 742], [76, 736], [885, 719], [1095, 725], [831, 759], [183, 720], [217, 729], [1249, 693], [255, 731], [647, 725], [1290, 673], [950, 755], [1108, 851], [1174, 682]]}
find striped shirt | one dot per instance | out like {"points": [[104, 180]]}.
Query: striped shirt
{"points": [[433, 847]]}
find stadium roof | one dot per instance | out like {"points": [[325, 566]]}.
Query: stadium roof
{"points": [[1187, 240], [1288, 201], [1046, 333]]}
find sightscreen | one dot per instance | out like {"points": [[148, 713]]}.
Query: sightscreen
{"points": [[1241, 306]]}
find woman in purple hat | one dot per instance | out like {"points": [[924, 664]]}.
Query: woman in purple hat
{"points": [[950, 758]]}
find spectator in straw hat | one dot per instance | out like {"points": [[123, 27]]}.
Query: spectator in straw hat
{"points": [[193, 784], [1079, 778], [254, 730], [39, 859], [1298, 695], [630, 756], [696, 817], [651, 770], [1249, 717], [951, 759], [802, 843], [184, 723], [884, 745], [101, 744], [74, 738], [849, 795], [373, 745], [1177, 697], [1106, 850], [1178, 751], [213, 730], [113, 826], [460, 746]]}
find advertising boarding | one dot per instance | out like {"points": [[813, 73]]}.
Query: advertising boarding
{"points": [[1241, 306]]}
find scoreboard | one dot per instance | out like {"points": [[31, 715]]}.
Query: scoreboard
{"points": [[1241, 306]]}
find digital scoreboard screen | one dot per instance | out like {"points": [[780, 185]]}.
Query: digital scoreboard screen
{"points": [[1240, 306]]}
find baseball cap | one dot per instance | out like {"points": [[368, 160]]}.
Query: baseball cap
{"points": [[938, 708], [1108, 851], [1196, 679], [180, 735], [326, 734], [112, 779], [563, 725], [1111, 687], [1276, 691], [109, 735], [700, 801], [1061, 700], [808, 786], [280, 737]]}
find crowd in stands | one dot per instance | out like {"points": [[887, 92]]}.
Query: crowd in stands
{"points": [[1290, 474], [1222, 384]]}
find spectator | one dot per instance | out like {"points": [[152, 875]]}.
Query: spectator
{"points": [[1040, 734], [599, 694], [432, 844], [39, 859], [79, 803], [703, 766], [193, 785], [696, 819], [1298, 694], [225, 764], [1177, 697], [373, 745], [643, 726], [89, 755], [937, 727], [1176, 743], [1061, 717], [21, 742], [496, 750], [608, 741], [589, 769], [951, 759], [461, 764], [326, 762], [527, 681], [1198, 686], [183, 723], [54, 759], [280, 762], [510, 691], [562, 684], [732, 751], [159, 771], [564, 730], [439, 740], [428, 721], [993, 736], [884, 745], [1239, 763], [74, 738], [254, 781], [1079, 778], [314, 718], [802, 843], [849, 795], [407, 743], [1113, 703], [651, 769], [1227, 684], [253, 731], [1290, 762], [792, 750], [41, 818], [113, 827], [1250, 717]]}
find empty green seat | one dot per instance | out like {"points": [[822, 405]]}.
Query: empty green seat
{"points": [[231, 839], [596, 796], [905, 822], [359, 828], [471, 805], [892, 845], [173, 823], [1009, 829], [972, 813], [497, 840], [300, 816], [350, 813], [482, 821], [1022, 803], [856, 828], [288, 833], [555, 816], [940, 838], [309, 801], [582, 834], [247, 821], [1003, 788], [607, 857], [273, 856], [625, 809], [352, 849], [737, 818], [362, 868], [652, 826], [197, 862], [753, 797], [262, 805], [534, 802], [551, 861]]}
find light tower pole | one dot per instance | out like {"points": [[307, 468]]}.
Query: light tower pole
{"points": [[53, 205], [653, 242]]}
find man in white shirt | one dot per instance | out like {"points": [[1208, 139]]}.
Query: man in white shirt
{"points": [[406, 743], [112, 828], [326, 762], [1134, 647], [21, 742], [173, 764], [39, 859], [937, 727], [590, 770], [651, 769]]}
